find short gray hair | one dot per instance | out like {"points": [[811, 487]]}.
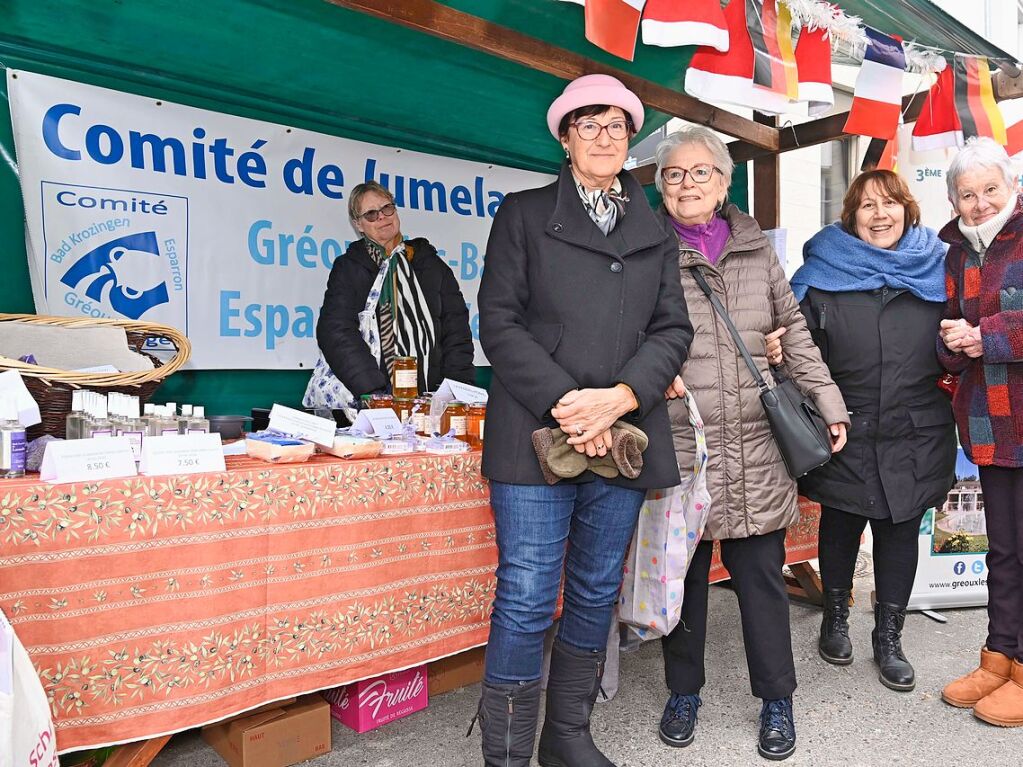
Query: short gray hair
{"points": [[980, 152], [356, 196], [695, 134]]}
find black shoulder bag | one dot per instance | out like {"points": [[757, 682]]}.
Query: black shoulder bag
{"points": [[798, 429]]}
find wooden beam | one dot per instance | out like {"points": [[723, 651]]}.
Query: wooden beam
{"points": [[455, 26], [137, 754], [816, 132], [767, 184]]}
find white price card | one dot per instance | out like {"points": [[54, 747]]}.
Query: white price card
{"points": [[182, 454], [449, 391], [304, 425], [84, 460], [378, 422]]}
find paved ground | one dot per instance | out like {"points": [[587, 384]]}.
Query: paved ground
{"points": [[843, 715]]}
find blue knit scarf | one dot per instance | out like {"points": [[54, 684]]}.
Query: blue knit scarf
{"points": [[838, 262]]}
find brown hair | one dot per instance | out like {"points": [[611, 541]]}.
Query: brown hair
{"points": [[891, 184], [590, 111]]}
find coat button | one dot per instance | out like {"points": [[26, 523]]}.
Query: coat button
{"points": [[616, 266], [556, 227]]}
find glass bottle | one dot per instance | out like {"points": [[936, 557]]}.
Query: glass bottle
{"points": [[198, 424], [73, 422], [12, 440], [455, 417], [133, 427], [184, 419], [100, 425], [403, 408], [421, 417], [169, 420], [405, 378], [477, 416]]}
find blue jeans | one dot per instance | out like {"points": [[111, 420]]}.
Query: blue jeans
{"points": [[534, 523]]}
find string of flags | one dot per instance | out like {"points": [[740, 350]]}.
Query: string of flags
{"points": [[745, 56]]}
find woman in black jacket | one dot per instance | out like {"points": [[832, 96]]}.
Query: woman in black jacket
{"points": [[583, 320], [872, 288], [420, 312]]}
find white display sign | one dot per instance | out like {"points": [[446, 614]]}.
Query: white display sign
{"points": [[300, 424], [87, 460], [182, 454], [952, 571], [221, 226], [379, 422]]}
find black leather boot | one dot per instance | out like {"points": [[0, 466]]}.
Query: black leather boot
{"points": [[834, 645], [572, 688], [507, 715], [896, 671], [777, 730]]}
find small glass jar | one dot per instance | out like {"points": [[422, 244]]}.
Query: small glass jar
{"points": [[380, 401], [422, 416], [405, 378], [403, 408], [456, 417], [477, 416]]}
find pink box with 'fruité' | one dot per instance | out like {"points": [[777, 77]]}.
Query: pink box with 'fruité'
{"points": [[366, 705]]}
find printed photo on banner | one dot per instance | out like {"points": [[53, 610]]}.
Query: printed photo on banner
{"points": [[221, 226]]}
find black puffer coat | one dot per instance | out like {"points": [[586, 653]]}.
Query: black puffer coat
{"points": [[337, 331], [879, 346]]}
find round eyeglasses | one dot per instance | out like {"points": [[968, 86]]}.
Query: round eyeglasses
{"points": [[673, 175], [588, 130], [373, 215]]}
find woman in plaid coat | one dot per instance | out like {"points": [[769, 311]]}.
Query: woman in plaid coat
{"points": [[981, 340]]}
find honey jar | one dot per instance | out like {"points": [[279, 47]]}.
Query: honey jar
{"points": [[403, 408], [477, 416], [380, 401], [422, 416], [405, 378], [455, 417]]}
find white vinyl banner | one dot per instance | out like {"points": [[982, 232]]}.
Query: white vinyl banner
{"points": [[953, 544], [221, 226]]}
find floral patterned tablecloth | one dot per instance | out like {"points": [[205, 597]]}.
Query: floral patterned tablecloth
{"points": [[151, 605]]}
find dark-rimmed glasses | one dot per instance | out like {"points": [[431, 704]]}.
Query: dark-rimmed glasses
{"points": [[588, 130], [701, 174], [372, 215]]}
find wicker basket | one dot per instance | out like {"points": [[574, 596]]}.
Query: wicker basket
{"points": [[52, 387]]}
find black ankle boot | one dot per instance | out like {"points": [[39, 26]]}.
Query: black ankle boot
{"points": [[896, 671], [834, 645], [678, 722], [572, 688], [507, 715], [777, 730]]}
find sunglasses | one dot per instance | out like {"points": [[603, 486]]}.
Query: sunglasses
{"points": [[373, 215]]}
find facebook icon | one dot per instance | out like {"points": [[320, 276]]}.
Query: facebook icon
{"points": [[959, 567]]}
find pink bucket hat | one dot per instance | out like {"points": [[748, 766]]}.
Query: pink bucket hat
{"points": [[594, 89]]}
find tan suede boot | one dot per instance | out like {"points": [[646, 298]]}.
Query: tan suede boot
{"points": [[1004, 706], [965, 691]]}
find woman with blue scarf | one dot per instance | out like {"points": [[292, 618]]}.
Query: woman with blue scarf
{"points": [[872, 287]]}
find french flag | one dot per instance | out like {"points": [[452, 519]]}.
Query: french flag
{"points": [[877, 100]]}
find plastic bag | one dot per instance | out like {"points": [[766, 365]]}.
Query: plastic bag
{"points": [[27, 737]]}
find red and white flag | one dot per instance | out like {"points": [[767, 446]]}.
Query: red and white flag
{"points": [[938, 126], [813, 64], [877, 100], [1012, 112], [613, 24], [685, 22]]}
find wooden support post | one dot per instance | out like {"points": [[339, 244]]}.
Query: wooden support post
{"points": [[461, 28], [138, 754], [804, 584], [766, 183]]}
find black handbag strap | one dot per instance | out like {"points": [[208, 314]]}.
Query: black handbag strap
{"points": [[723, 314]]}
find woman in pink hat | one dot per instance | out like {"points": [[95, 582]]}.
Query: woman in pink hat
{"points": [[584, 322]]}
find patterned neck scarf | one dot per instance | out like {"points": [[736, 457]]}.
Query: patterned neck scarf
{"points": [[605, 208]]}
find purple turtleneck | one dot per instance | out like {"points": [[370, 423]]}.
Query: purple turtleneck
{"points": [[709, 238]]}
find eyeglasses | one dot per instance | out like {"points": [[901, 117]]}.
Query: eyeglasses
{"points": [[588, 130], [373, 215], [673, 176]]}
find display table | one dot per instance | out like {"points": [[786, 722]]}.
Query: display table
{"points": [[151, 605]]}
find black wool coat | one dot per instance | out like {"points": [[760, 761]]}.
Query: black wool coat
{"points": [[337, 331], [901, 453], [562, 307]]}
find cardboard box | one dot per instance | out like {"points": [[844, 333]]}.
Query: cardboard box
{"points": [[275, 737], [456, 671], [366, 705]]}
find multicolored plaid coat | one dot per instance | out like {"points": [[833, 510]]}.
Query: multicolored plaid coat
{"points": [[988, 403]]}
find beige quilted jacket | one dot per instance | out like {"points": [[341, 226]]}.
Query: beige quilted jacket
{"points": [[751, 492]]}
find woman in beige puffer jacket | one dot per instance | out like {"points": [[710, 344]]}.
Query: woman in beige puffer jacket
{"points": [[753, 499]]}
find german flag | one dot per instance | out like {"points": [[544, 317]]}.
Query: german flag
{"points": [[975, 99], [774, 60]]}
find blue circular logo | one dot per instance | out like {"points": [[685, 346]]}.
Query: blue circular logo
{"points": [[977, 566], [959, 567]]}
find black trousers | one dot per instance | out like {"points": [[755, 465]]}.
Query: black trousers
{"points": [[1003, 511], [895, 553], [755, 565]]}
